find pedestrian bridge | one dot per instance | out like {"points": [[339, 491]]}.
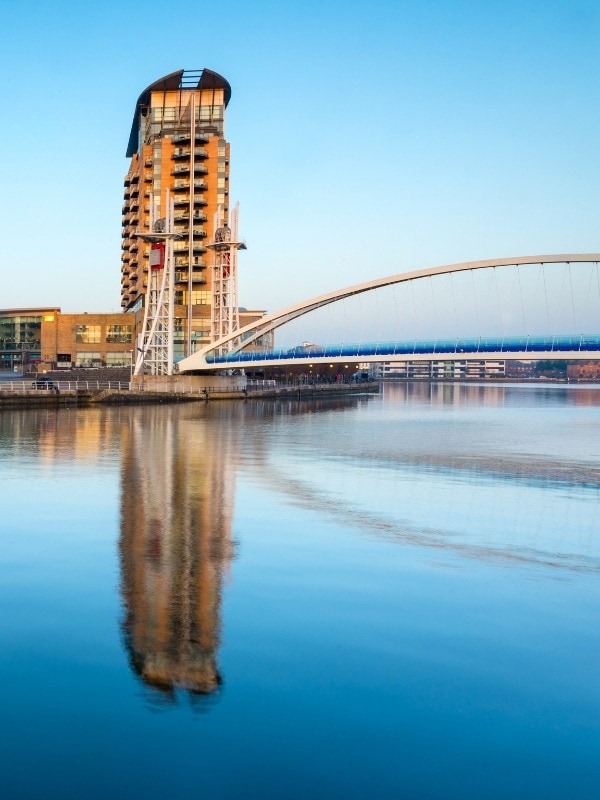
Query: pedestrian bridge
{"points": [[531, 307]]}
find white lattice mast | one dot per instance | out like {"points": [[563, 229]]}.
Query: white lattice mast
{"points": [[224, 306], [155, 349]]}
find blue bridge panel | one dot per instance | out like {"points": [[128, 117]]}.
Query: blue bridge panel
{"points": [[518, 344]]}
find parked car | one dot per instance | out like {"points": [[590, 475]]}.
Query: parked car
{"points": [[44, 382]]}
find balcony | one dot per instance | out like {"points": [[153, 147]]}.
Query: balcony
{"points": [[200, 152], [181, 200], [180, 152], [185, 136], [181, 185], [199, 233], [200, 169], [201, 186], [181, 138], [183, 262], [180, 169], [183, 277]]}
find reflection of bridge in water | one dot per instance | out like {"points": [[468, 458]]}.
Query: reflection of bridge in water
{"points": [[532, 307]]}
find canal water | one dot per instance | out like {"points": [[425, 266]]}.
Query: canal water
{"points": [[393, 596]]}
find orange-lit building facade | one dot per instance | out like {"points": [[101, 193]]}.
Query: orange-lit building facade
{"points": [[178, 153]]}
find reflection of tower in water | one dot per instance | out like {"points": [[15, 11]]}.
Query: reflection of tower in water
{"points": [[177, 498]]}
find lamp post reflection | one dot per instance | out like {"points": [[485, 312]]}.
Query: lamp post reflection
{"points": [[177, 496]]}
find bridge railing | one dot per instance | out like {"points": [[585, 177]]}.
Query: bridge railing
{"points": [[484, 345]]}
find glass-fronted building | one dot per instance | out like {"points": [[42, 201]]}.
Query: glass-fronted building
{"points": [[21, 337], [45, 339]]}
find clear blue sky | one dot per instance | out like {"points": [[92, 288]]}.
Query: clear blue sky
{"points": [[367, 138]]}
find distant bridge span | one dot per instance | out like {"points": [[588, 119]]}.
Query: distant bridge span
{"points": [[227, 352]]}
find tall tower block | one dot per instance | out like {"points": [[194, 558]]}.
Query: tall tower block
{"points": [[178, 155]]}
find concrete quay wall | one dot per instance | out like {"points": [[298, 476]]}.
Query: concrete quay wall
{"points": [[172, 392]]}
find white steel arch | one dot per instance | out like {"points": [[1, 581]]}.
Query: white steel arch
{"points": [[268, 323]]}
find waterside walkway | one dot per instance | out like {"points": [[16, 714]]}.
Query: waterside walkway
{"points": [[25, 393]]}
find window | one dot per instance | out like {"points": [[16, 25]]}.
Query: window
{"points": [[199, 298], [118, 359], [90, 359], [87, 334], [119, 334]]}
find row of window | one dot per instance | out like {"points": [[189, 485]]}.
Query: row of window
{"points": [[204, 113], [115, 334], [94, 359]]}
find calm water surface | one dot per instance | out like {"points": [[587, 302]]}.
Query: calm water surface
{"points": [[393, 596]]}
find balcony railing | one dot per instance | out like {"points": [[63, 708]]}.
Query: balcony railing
{"points": [[182, 277], [183, 261], [185, 136]]}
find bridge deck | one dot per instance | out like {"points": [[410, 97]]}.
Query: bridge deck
{"points": [[577, 346]]}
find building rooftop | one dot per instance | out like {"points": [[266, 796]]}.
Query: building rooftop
{"points": [[184, 80]]}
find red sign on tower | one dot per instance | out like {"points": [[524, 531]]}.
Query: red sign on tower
{"points": [[157, 255]]}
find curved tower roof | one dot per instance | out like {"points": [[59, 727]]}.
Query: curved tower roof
{"points": [[184, 80]]}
